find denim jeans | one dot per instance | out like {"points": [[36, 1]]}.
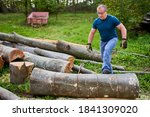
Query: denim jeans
{"points": [[106, 52]]}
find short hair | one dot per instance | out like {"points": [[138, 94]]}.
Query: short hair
{"points": [[102, 6]]}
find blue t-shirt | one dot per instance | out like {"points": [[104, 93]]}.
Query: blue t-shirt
{"points": [[106, 27]]}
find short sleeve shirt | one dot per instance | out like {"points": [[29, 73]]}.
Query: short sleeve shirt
{"points": [[107, 27]]}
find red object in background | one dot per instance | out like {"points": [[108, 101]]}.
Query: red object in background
{"points": [[38, 18]]}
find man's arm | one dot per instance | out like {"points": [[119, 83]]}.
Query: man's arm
{"points": [[123, 30], [91, 35]]}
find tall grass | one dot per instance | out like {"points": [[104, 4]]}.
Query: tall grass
{"points": [[75, 28]]}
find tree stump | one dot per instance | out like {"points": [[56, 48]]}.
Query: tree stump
{"points": [[20, 71]]}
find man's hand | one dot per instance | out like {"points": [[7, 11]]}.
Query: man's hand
{"points": [[123, 44], [89, 47]]}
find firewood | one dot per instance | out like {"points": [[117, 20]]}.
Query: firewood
{"points": [[1, 62], [7, 95], [43, 82], [10, 54], [51, 64], [78, 51]]}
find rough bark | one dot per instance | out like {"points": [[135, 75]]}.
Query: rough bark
{"points": [[7, 95], [56, 55], [136, 72], [1, 62], [10, 54], [48, 63], [43, 82], [78, 51], [16, 38], [81, 69], [19, 46]]}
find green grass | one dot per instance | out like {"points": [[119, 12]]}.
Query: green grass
{"points": [[75, 28]]}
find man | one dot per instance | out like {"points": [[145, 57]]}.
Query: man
{"points": [[106, 25]]}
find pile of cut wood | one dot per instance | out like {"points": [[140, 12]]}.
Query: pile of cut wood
{"points": [[48, 65], [145, 24]]}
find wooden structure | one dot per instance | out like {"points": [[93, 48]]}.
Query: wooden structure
{"points": [[38, 18]]}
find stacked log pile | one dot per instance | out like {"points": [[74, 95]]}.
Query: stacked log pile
{"points": [[145, 24], [54, 60]]}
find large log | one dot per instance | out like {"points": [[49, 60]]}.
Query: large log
{"points": [[19, 46], [16, 38], [43, 82], [78, 51], [20, 71], [7, 95], [57, 65], [56, 55], [1, 62], [10, 54]]}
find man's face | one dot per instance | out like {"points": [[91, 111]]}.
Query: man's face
{"points": [[102, 14]]}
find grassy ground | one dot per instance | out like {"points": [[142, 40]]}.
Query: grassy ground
{"points": [[75, 28]]}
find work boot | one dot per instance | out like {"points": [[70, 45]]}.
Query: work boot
{"points": [[106, 71]]}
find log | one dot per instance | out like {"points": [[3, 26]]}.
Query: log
{"points": [[136, 72], [7, 95], [117, 67], [56, 55], [16, 38], [1, 62], [57, 65], [43, 82], [78, 51], [81, 69], [19, 46], [10, 54]]}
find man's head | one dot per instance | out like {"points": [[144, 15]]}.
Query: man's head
{"points": [[102, 11]]}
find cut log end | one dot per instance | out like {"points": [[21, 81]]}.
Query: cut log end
{"points": [[1, 62], [15, 54], [69, 67]]}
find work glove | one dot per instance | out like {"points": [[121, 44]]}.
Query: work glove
{"points": [[123, 44], [89, 47]]}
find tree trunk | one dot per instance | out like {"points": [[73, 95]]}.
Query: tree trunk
{"points": [[10, 54], [20, 71], [19, 46], [45, 82], [48, 63], [81, 69], [16, 38], [1, 62], [55, 55], [7, 95], [78, 51], [41, 52]]}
